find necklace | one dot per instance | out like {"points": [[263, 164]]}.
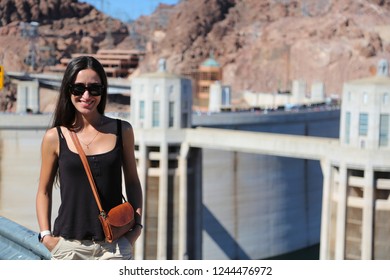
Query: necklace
{"points": [[87, 145]]}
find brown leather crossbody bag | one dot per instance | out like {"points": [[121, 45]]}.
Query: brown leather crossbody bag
{"points": [[119, 219]]}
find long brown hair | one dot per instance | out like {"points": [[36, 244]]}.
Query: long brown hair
{"points": [[65, 112]]}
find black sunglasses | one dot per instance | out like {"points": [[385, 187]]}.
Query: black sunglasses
{"points": [[93, 89]]}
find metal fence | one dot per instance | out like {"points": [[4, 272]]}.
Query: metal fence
{"points": [[20, 243]]}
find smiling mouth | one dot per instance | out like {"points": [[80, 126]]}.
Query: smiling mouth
{"points": [[87, 103]]}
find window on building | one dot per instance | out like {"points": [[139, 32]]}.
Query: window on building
{"points": [[170, 90], [226, 96], [205, 89], [214, 76], [385, 98], [185, 104], [383, 130], [156, 89], [347, 127], [142, 110], [187, 90], [204, 76], [184, 119], [156, 114], [365, 97], [363, 124], [171, 113]]}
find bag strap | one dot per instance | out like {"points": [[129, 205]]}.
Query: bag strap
{"points": [[88, 171]]}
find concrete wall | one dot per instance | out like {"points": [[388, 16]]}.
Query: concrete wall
{"points": [[260, 206], [19, 175]]}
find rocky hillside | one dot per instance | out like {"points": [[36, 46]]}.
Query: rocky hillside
{"points": [[262, 45], [65, 27]]}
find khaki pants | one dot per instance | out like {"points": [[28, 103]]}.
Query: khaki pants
{"points": [[67, 249]]}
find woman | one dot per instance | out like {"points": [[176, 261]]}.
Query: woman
{"points": [[109, 146]]}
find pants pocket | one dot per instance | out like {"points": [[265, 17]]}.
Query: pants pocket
{"points": [[55, 249], [55, 253]]}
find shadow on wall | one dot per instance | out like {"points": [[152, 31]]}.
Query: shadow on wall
{"points": [[233, 250], [222, 237]]}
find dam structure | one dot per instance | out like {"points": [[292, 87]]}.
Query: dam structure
{"points": [[234, 185], [356, 196], [238, 185]]}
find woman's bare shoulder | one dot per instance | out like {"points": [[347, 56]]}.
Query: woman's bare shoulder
{"points": [[50, 138], [51, 134]]}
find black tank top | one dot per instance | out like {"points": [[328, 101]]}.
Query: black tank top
{"points": [[78, 212]]}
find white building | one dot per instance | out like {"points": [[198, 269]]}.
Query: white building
{"points": [[220, 97], [161, 107], [298, 96], [356, 198], [161, 100]]}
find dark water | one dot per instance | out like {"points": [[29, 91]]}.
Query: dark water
{"points": [[309, 253]]}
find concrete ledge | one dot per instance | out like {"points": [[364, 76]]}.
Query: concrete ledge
{"points": [[25, 121]]}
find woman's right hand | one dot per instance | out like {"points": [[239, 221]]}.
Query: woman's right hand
{"points": [[133, 234], [50, 242]]}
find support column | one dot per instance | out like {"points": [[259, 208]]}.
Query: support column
{"points": [[325, 211], [341, 213], [33, 96], [142, 174], [162, 227], [27, 96], [183, 163], [21, 102], [368, 214]]}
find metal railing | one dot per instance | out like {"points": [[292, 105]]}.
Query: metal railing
{"points": [[20, 243]]}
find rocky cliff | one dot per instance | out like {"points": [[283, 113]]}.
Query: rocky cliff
{"points": [[262, 45], [65, 27]]}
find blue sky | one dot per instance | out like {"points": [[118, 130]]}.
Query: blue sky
{"points": [[128, 9]]}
